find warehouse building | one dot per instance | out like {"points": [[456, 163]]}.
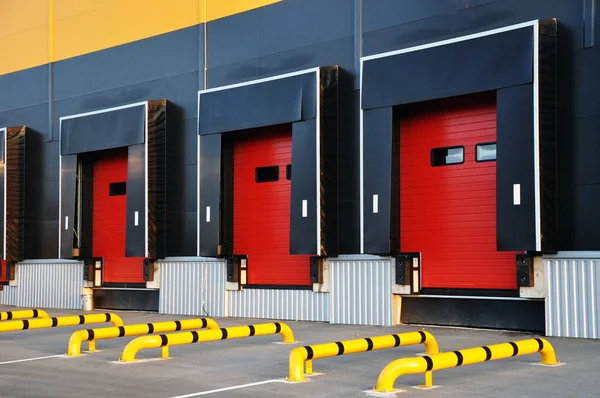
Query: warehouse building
{"points": [[343, 161]]}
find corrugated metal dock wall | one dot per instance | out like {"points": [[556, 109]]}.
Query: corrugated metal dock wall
{"points": [[573, 294], [46, 284], [359, 293], [192, 287]]}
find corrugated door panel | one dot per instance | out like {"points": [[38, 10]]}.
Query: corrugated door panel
{"points": [[448, 213], [262, 210], [109, 220]]}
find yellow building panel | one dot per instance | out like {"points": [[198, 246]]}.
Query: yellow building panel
{"points": [[81, 27], [35, 32], [223, 8], [23, 34]]}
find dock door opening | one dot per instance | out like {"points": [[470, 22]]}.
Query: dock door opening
{"points": [[261, 207], [448, 193], [109, 218]]}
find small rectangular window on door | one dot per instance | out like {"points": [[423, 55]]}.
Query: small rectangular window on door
{"points": [[288, 172], [117, 189], [485, 152], [447, 156], [267, 174]]}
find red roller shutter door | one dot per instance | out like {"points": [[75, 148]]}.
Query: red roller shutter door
{"points": [[262, 209], [109, 219], [448, 213]]}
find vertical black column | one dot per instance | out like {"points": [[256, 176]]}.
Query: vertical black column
{"points": [[135, 240], [377, 158], [304, 207], [68, 174], [515, 189], [210, 188]]}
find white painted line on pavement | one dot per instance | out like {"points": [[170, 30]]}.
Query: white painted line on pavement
{"points": [[229, 388], [30, 359]]}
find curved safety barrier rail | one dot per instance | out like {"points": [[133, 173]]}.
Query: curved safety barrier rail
{"points": [[23, 314], [91, 335], [470, 356], [167, 340], [59, 321], [300, 355]]}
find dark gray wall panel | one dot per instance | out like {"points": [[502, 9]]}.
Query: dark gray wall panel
{"points": [[488, 63], [586, 81], [515, 224], [210, 188], [337, 52], [303, 233], [386, 13], [189, 151], [159, 57], [107, 130], [34, 117], [378, 125], [41, 240], [181, 233], [281, 101], [68, 183], [136, 193], [585, 143], [579, 219], [442, 26], [279, 27], [180, 90], [24, 88], [182, 187]]}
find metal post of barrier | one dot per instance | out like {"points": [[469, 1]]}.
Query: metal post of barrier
{"points": [[166, 340], [46, 323], [23, 314], [299, 356], [91, 335], [427, 364]]}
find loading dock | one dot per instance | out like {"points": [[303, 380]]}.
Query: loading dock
{"points": [[270, 225], [448, 193], [261, 207], [517, 64], [112, 200]]}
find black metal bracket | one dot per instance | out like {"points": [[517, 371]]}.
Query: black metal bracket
{"points": [[316, 269], [235, 265], [149, 269], [525, 270], [406, 268], [10, 270]]}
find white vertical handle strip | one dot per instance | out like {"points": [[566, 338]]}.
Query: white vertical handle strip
{"points": [[136, 218], [66, 222], [304, 208], [516, 194], [375, 204], [207, 213]]}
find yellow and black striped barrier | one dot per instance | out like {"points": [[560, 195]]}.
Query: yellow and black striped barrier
{"points": [[470, 356], [299, 356], [164, 341], [23, 314], [60, 321], [91, 335]]}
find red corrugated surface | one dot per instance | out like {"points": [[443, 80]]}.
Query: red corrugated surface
{"points": [[109, 220], [448, 213], [262, 210]]}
